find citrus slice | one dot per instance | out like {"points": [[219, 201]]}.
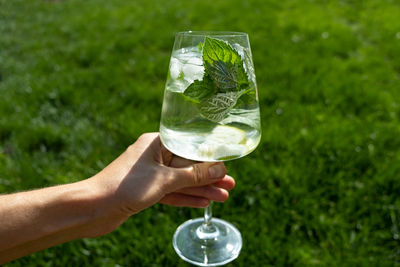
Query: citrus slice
{"points": [[226, 134], [224, 142]]}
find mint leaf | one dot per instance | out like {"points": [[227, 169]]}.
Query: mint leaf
{"points": [[200, 90], [200, 46], [248, 97], [217, 50], [224, 65], [218, 106], [224, 75], [225, 83]]}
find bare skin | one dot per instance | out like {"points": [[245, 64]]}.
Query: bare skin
{"points": [[145, 174]]}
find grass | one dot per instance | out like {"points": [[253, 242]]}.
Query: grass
{"points": [[81, 80]]}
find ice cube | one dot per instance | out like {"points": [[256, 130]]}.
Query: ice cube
{"points": [[205, 150], [195, 60], [175, 68], [224, 151], [192, 72]]}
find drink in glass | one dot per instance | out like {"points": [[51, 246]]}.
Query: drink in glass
{"points": [[210, 113]]}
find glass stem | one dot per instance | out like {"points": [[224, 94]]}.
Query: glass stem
{"points": [[207, 230], [208, 214]]}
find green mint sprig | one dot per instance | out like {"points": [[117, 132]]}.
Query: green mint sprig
{"points": [[224, 65], [199, 91], [224, 81]]}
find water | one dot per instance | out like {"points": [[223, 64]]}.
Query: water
{"points": [[188, 133]]}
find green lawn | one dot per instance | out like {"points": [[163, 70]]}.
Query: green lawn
{"points": [[81, 80]]}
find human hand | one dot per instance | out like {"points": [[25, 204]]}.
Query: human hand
{"points": [[147, 173]]}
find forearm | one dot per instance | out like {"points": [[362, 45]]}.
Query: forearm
{"points": [[34, 220], [144, 174]]}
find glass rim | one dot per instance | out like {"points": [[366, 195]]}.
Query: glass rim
{"points": [[212, 33]]}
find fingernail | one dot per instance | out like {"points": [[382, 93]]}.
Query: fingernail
{"points": [[216, 171]]}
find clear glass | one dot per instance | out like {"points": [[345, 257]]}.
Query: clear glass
{"points": [[210, 113]]}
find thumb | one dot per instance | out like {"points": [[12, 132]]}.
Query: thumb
{"points": [[196, 175]]}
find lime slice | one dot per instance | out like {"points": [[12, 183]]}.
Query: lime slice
{"points": [[224, 142], [226, 134]]}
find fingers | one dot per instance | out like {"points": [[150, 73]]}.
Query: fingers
{"points": [[204, 173], [196, 175], [208, 192], [227, 183], [182, 200], [198, 197], [195, 196]]}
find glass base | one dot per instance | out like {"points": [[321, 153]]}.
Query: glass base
{"points": [[216, 244]]}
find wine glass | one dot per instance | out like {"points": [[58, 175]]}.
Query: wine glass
{"points": [[210, 113]]}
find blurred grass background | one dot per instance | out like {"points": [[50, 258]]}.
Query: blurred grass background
{"points": [[81, 80]]}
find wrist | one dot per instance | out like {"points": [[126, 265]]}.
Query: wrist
{"points": [[103, 214]]}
